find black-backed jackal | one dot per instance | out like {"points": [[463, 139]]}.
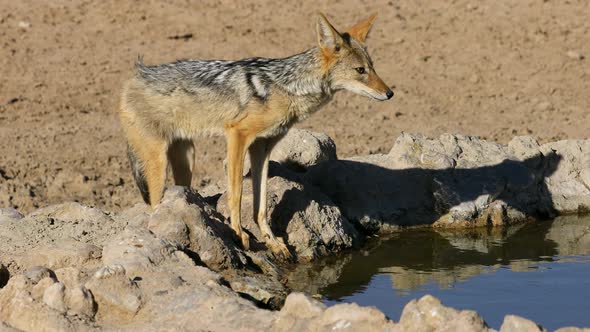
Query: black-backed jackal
{"points": [[253, 102]]}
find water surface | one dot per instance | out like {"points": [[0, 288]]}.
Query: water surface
{"points": [[540, 271]]}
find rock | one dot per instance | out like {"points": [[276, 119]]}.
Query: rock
{"points": [[302, 313], [452, 181], [136, 216], [37, 239], [136, 250], [353, 316], [544, 106], [5, 328], [20, 310], [36, 273], [118, 298], [53, 297], [575, 55], [39, 288], [266, 291], [80, 301], [303, 306], [310, 224], [201, 305], [572, 329], [71, 212], [63, 253], [187, 221], [109, 271], [526, 148], [24, 25], [70, 276], [518, 324], [10, 213], [428, 314], [567, 175], [299, 150], [173, 230]]}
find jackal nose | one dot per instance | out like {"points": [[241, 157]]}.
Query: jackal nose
{"points": [[389, 94]]}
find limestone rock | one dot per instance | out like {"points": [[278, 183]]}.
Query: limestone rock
{"points": [[299, 150], [452, 181], [187, 221], [302, 313], [567, 177], [53, 297], [39, 288], [20, 310], [518, 324], [70, 276], [309, 223], [63, 253], [10, 213], [429, 314], [55, 236], [136, 250], [80, 301], [118, 297], [36, 273]]}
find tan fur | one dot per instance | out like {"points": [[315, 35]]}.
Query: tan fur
{"points": [[259, 121], [375, 82], [360, 30], [329, 58], [151, 150]]}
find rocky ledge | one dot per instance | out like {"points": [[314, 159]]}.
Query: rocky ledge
{"points": [[71, 267]]}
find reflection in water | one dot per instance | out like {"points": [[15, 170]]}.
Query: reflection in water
{"points": [[439, 259]]}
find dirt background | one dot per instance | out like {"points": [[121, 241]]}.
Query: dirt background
{"points": [[495, 69]]}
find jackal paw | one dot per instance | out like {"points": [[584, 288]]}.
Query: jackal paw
{"points": [[278, 247], [245, 240]]}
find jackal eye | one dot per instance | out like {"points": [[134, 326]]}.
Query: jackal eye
{"points": [[360, 70]]}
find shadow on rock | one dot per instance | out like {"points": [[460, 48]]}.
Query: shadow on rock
{"points": [[454, 181]]}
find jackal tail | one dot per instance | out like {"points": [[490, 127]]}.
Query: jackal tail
{"points": [[138, 174]]}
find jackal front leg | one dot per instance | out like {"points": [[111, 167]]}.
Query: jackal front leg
{"points": [[237, 144], [259, 157]]}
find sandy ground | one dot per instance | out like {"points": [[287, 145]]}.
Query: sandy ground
{"points": [[495, 69]]}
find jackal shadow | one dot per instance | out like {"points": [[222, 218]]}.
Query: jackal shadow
{"points": [[370, 196]]}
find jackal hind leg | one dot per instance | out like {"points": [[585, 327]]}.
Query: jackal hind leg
{"points": [[181, 155], [148, 157], [259, 157], [237, 144]]}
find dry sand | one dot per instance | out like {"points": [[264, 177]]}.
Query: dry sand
{"points": [[495, 69]]}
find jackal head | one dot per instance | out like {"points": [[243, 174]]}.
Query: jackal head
{"points": [[346, 62]]}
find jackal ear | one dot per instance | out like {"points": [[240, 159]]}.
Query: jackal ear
{"points": [[360, 30], [328, 37]]}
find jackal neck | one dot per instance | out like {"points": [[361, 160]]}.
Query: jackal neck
{"points": [[300, 74]]}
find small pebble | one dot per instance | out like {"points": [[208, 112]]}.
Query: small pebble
{"points": [[575, 55], [544, 106], [24, 24]]}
